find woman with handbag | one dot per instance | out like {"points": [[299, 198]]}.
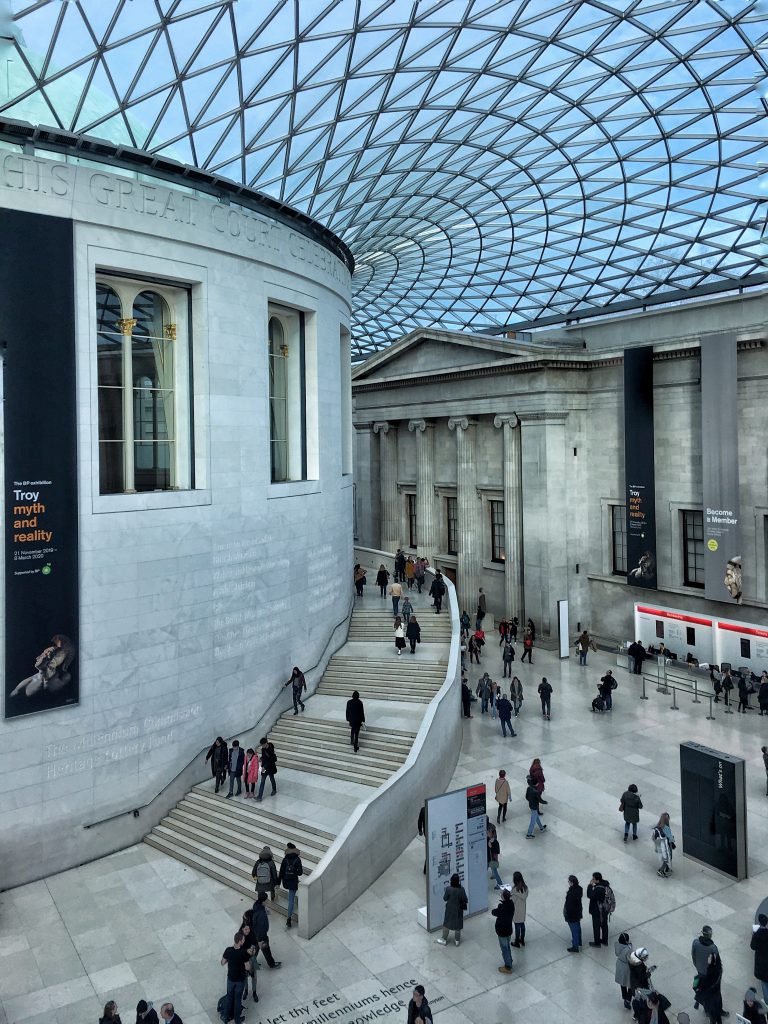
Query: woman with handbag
{"points": [[455, 904], [664, 844]]}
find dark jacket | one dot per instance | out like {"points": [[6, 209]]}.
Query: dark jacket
{"points": [[413, 630], [260, 923], [355, 711], [607, 685], [272, 872], [455, 905], [700, 950], [382, 578], [545, 689], [505, 915], [762, 696], [644, 1011], [268, 759], [115, 1019], [239, 760], [572, 909], [290, 869], [632, 806], [708, 992], [149, 1018], [493, 850], [533, 796], [759, 943], [438, 587], [219, 758], [596, 896], [421, 1013], [504, 707]]}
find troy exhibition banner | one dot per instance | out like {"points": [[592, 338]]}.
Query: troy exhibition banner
{"points": [[37, 330], [720, 468], [639, 469]]}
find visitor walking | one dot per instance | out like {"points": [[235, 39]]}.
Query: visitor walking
{"points": [[664, 844], [290, 871], [455, 904], [395, 592], [480, 609], [260, 925], [410, 572], [250, 773], [399, 566], [236, 759], [600, 908], [298, 684], [765, 765], [573, 912], [759, 945], [607, 685], [418, 1008], [701, 947], [536, 772], [583, 644], [418, 573], [413, 633], [516, 695], [355, 715], [474, 650], [236, 958], [359, 579], [382, 580], [507, 657], [527, 647], [545, 696], [533, 797], [622, 948], [630, 805], [493, 852], [504, 707], [483, 691], [399, 630], [708, 990], [268, 759], [762, 694], [504, 914], [218, 755], [436, 591], [406, 611], [264, 872], [502, 795], [519, 893]]}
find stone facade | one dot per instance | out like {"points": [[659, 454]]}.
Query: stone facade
{"points": [[545, 437], [189, 598]]}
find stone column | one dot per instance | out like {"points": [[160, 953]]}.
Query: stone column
{"points": [[514, 595], [468, 509], [426, 521], [390, 501]]}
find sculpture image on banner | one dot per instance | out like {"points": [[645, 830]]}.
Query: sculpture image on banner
{"points": [[455, 831]]}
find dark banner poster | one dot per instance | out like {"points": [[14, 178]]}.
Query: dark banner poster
{"points": [[37, 330], [714, 806], [639, 467], [720, 468]]}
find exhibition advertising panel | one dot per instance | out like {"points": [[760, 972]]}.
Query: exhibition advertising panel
{"points": [[40, 460], [639, 470], [714, 808], [455, 830], [720, 468]]}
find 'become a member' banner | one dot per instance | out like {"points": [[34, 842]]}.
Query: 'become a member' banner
{"points": [[40, 435], [720, 468]]}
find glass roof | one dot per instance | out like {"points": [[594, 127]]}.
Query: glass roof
{"points": [[489, 162]]}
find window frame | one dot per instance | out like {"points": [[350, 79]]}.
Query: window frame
{"points": [[497, 525], [690, 542], [451, 519], [411, 519], [618, 514]]}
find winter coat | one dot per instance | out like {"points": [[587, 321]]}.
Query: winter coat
{"points": [[355, 711], [260, 923], [538, 778], [572, 909], [545, 690], [219, 758], [708, 993], [533, 797], [492, 850], [596, 895], [290, 869], [268, 759], [762, 696], [700, 950], [759, 943], [413, 632], [632, 806], [455, 905], [504, 914], [484, 687], [519, 899], [504, 708], [639, 975], [251, 769], [272, 871], [509, 653], [239, 759], [622, 951], [516, 691], [503, 791], [438, 587], [755, 1013], [382, 578]]}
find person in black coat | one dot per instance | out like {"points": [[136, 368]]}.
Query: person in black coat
{"points": [[260, 929], [596, 896], [355, 717], [111, 1016], [288, 876], [708, 993], [413, 632], [437, 591], [418, 1008], [573, 912], [466, 699], [268, 765], [218, 755], [146, 1013], [505, 917], [759, 945], [235, 765]]}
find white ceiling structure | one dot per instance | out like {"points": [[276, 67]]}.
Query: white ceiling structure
{"points": [[490, 164]]}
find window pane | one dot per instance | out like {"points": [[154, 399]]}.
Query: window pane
{"points": [[150, 413], [498, 552], [278, 401], [619, 535], [109, 361], [111, 480], [693, 548], [152, 465], [411, 520], [451, 515]]}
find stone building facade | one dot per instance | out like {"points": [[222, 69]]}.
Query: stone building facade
{"points": [[503, 461]]}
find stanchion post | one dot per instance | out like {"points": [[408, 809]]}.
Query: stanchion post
{"points": [[644, 695], [696, 691], [673, 706], [710, 716]]}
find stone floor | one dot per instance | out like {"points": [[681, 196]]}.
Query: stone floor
{"points": [[139, 924]]}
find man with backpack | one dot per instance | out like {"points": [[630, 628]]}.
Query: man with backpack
{"points": [[288, 876], [265, 873], [602, 904], [607, 685]]}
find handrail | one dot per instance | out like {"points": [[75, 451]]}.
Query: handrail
{"points": [[135, 811]]}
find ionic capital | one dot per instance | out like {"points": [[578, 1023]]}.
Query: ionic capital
{"points": [[459, 423], [513, 420], [420, 425], [382, 427]]}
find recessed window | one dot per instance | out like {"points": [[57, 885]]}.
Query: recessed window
{"points": [[452, 524], [143, 387], [411, 508], [498, 553], [693, 548], [619, 540], [287, 395]]}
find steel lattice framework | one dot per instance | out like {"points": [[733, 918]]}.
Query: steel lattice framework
{"points": [[489, 163]]}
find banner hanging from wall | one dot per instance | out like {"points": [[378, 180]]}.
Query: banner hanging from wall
{"points": [[639, 467], [720, 468], [455, 830], [40, 463]]}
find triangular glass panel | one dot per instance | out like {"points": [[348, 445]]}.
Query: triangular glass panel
{"points": [[187, 33], [142, 116], [124, 61], [65, 92], [198, 89], [157, 71], [73, 41]]}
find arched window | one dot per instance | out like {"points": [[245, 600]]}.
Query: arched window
{"points": [[109, 356], [278, 400], [152, 358]]}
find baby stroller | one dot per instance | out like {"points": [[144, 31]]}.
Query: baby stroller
{"points": [[598, 704]]}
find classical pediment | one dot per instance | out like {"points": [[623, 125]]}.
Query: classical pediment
{"points": [[430, 351]]}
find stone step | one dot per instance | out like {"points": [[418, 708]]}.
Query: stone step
{"points": [[202, 818], [197, 830], [374, 730], [316, 766], [371, 693], [293, 731], [256, 812], [386, 666], [369, 757]]}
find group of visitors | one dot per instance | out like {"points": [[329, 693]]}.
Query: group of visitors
{"points": [[244, 767], [408, 570], [145, 1013]]}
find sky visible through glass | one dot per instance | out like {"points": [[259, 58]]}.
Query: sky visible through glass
{"points": [[489, 163]]}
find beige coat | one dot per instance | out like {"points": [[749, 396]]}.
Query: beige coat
{"points": [[503, 791]]}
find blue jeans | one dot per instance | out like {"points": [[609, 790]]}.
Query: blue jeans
{"points": [[493, 867], [261, 785], [575, 927], [504, 723], [535, 820], [506, 952], [235, 999], [291, 902], [519, 931], [232, 777], [395, 605], [608, 702], [483, 704], [582, 657], [765, 990], [634, 828]]}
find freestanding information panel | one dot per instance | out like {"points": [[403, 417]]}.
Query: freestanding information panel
{"points": [[456, 844], [714, 802]]}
